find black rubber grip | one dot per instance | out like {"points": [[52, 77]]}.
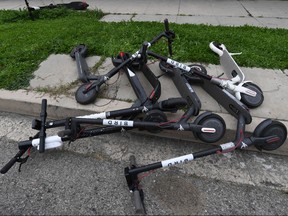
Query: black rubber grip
{"points": [[42, 134], [14, 160], [166, 24], [138, 203], [218, 45], [174, 103], [144, 48], [64, 133], [23, 145], [8, 165]]}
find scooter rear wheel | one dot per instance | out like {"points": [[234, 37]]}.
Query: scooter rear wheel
{"points": [[82, 49], [269, 128], [155, 116], [86, 98], [249, 101], [165, 67], [210, 120]]}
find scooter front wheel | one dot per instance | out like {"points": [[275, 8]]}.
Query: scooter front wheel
{"points": [[271, 128], [165, 67], [82, 49], [88, 97], [155, 116], [210, 120], [250, 101]]}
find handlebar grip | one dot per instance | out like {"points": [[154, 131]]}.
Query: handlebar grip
{"points": [[8, 165], [144, 47], [24, 144], [64, 133], [42, 134], [13, 160], [166, 24], [138, 202], [217, 44], [170, 35], [216, 47], [173, 103]]}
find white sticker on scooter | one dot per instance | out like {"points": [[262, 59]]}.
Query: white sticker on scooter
{"points": [[189, 87], [178, 160], [178, 65], [131, 74], [227, 146], [94, 116], [122, 123]]}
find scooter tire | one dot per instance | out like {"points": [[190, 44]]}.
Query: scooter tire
{"points": [[269, 128], [86, 98], [82, 49], [249, 101], [155, 116], [208, 119]]}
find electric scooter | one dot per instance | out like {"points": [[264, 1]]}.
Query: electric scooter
{"points": [[90, 88], [235, 75], [80, 127], [234, 82], [76, 5], [80, 52]]}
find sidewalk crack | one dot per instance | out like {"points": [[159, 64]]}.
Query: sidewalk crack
{"points": [[179, 4], [248, 12]]}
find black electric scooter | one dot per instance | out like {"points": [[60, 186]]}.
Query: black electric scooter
{"points": [[90, 88], [92, 83], [268, 135], [80, 127], [76, 5]]}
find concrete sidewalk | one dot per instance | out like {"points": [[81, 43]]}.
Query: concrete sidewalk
{"points": [[269, 13]]}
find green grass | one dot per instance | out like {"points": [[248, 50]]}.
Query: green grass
{"points": [[24, 43]]}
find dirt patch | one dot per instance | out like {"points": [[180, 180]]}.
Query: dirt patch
{"points": [[177, 192]]}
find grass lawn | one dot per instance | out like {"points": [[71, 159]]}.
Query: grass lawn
{"points": [[24, 43]]}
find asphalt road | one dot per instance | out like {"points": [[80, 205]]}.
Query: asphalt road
{"points": [[87, 178]]}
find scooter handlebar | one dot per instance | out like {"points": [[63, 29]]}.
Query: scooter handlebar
{"points": [[8, 165], [170, 36], [42, 133], [217, 47], [16, 158], [139, 208]]}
